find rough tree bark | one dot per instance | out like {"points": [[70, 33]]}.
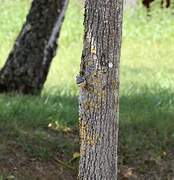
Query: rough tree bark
{"points": [[99, 89], [27, 66]]}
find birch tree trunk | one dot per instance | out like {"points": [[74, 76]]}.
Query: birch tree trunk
{"points": [[28, 64], [99, 90]]}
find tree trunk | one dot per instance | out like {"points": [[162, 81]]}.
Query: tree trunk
{"points": [[99, 90], [28, 64]]}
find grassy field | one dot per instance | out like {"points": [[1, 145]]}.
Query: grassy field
{"points": [[146, 100]]}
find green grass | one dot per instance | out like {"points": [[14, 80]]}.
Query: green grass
{"points": [[147, 76]]}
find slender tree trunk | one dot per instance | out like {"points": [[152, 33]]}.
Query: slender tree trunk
{"points": [[99, 90], [28, 64]]}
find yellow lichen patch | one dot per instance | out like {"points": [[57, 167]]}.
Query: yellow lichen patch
{"points": [[102, 93], [93, 46], [83, 130], [85, 137], [99, 92], [83, 134], [97, 82], [93, 50], [115, 84], [86, 105], [89, 105], [93, 139], [90, 141]]}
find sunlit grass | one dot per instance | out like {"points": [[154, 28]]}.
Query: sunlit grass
{"points": [[12, 16]]}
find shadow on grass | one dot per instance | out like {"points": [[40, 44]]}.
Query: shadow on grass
{"points": [[146, 117], [37, 111]]}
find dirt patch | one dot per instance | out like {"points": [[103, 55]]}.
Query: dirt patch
{"points": [[24, 156], [49, 155]]}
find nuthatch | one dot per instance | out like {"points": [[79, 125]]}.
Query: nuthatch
{"points": [[81, 81]]}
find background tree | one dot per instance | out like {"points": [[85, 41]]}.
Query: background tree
{"points": [[28, 64], [99, 90], [164, 3]]}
